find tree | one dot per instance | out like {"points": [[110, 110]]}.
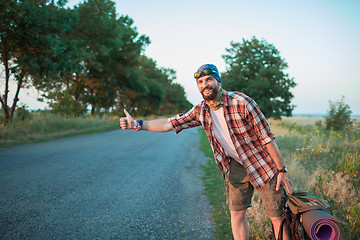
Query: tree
{"points": [[149, 95], [80, 57], [155, 92], [255, 68], [109, 47], [339, 115], [175, 100], [164, 96], [30, 44], [63, 90]]}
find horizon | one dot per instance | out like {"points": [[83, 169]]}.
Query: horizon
{"points": [[320, 41]]}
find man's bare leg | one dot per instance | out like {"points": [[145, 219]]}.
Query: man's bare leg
{"points": [[276, 221], [239, 225]]}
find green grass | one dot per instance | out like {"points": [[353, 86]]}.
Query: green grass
{"points": [[325, 163], [215, 191], [44, 126]]}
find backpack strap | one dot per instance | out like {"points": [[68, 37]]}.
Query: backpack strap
{"points": [[301, 202]]}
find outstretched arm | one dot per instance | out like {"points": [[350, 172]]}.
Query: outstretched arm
{"points": [[157, 125]]}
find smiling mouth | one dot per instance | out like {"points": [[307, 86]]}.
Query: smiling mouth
{"points": [[207, 91]]}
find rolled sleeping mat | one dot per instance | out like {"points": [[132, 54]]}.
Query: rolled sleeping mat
{"points": [[321, 225]]}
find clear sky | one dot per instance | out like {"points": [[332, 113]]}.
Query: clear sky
{"points": [[319, 39]]}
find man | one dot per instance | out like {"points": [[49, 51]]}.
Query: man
{"points": [[243, 145]]}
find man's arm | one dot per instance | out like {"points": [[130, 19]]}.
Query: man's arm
{"points": [[157, 125], [276, 156]]}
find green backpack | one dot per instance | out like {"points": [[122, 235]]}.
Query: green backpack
{"points": [[298, 204]]}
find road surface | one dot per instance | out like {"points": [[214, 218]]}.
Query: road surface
{"points": [[114, 185]]}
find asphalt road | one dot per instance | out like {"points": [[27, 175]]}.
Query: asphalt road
{"points": [[114, 185]]}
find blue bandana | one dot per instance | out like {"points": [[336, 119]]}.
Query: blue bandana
{"points": [[212, 67]]}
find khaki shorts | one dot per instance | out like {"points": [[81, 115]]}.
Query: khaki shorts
{"points": [[240, 192]]}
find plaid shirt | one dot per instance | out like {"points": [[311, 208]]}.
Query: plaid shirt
{"points": [[249, 132]]}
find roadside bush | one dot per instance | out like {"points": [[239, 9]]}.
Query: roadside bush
{"points": [[338, 117], [1, 117], [65, 105], [21, 113]]}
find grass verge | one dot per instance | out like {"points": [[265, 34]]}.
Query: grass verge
{"points": [[44, 127], [322, 162], [215, 192]]}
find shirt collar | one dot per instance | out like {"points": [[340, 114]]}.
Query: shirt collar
{"points": [[225, 98], [224, 101]]}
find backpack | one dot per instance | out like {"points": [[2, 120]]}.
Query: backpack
{"points": [[297, 204]]}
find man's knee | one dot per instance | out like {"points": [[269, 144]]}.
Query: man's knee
{"points": [[238, 215]]}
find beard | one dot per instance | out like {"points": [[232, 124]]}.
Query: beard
{"points": [[212, 95]]}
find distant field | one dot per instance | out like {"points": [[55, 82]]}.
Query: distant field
{"points": [[304, 121], [309, 121]]}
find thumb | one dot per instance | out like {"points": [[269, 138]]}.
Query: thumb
{"points": [[128, 118]]}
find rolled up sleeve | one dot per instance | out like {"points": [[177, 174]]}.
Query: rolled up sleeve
{"points": [[184, 121], [260, 124]]}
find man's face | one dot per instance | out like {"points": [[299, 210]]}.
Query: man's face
{"points": [[209, 87]]}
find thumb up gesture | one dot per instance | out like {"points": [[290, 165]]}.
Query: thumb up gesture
{"points": [[127, 122]]}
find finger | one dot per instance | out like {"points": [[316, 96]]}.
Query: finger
{"points": [[129, 118], [288, 188], [123, 123], [278, 184], [288, 185], [127, 114]]}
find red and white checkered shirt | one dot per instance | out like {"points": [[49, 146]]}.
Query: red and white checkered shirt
{"points": [[249, 132]]}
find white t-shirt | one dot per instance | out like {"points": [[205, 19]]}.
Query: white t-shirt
{"points": [[222, 134]]}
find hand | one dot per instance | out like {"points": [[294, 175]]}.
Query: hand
{"points": [[284, 179], [127, 122]]}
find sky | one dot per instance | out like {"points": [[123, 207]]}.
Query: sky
{"points": [[319, 39]]}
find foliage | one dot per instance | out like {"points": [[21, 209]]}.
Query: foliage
{"points": [[81, 57], [65, 105], [257, 69], [109, 47], [215, 191], [323, 162], [44, 125], [31, 44], [155, 93], [22, 113], [339, 116]]}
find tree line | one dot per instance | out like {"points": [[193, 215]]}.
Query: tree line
{"points": [[88, 57], [80, 58]]}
